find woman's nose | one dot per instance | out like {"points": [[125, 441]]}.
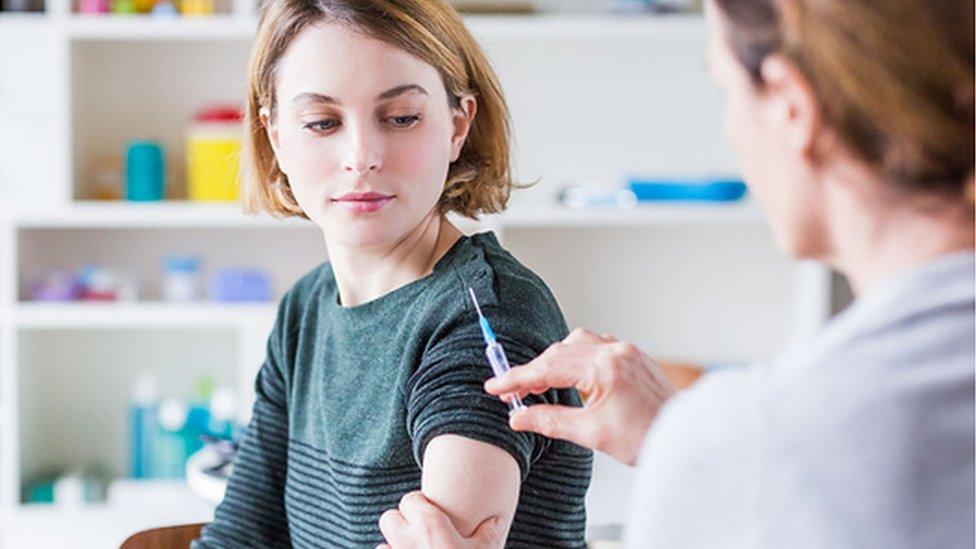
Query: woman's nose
{"points": [[362, 157]]}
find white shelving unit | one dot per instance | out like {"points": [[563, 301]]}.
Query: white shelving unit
{"points": [[593, 99]]}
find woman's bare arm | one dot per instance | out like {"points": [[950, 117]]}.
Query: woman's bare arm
{"points": [[471, 481]]}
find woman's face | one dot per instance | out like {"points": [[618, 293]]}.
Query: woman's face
{"points": [[364, 133], [772, 129]]}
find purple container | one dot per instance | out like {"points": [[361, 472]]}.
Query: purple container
{"points": [[235, 285], [56, 286]]}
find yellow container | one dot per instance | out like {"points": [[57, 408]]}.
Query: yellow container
{"points": [[213, 147], [197, 7], [144, 6]]}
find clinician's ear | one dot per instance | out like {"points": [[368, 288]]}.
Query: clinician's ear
{"points": [[792, 106], [463, 117]]}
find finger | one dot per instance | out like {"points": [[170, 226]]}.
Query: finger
{"points": [[411, 501], [560, 366], [489, 533], [553, 421], [395, 529], [417, 509], [582, 335], [531, 378]]}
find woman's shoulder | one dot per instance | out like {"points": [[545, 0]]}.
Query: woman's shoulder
{"points": [[506, 289], [498, 278]]}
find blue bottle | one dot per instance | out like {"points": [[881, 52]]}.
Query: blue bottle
{"points": [[145, 174], [169, 459], [143, 425], [198, 416]]}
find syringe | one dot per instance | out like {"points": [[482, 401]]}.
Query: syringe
{"points": [[496, 354]]}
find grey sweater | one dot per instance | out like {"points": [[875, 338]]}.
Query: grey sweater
{"points": [[859, 438]]}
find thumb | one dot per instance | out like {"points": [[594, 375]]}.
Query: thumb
{"points": [[489, 533], [550, 420]]}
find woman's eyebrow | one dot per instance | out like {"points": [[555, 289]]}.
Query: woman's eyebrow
{"points": [[400, 90], [315, 98], [321, 99]]}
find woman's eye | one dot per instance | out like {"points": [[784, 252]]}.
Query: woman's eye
{"points": [[403, 121], [322, 125]]}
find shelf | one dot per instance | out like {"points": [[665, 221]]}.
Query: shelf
{"points": [[158, 503], [103, 215], [139, 315], [167, 214], [745, 212], [29, 17], [128, 497], [31, 516]]}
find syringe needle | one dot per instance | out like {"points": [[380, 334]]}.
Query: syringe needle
{"points": [[475, 301]]}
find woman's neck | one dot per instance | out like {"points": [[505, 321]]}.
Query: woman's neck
{"points": [[364, 275], [881, 233]]}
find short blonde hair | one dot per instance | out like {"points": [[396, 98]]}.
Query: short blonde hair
{"points": [[479, 181]]}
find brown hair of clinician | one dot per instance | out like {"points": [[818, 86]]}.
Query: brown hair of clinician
{"points": [[894, 79]]}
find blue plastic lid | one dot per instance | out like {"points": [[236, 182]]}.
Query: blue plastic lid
{"points": [[181, 263]]}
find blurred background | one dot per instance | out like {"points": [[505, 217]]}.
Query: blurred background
{"points": [[136, 299]]}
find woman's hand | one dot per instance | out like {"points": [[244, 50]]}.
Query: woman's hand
{"points": [[623, 390], [418, 523]]}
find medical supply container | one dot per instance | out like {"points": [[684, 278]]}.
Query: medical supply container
{"points": [[213, 144]]}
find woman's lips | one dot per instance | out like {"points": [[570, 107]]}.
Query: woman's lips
{"points": [[363, 202]]}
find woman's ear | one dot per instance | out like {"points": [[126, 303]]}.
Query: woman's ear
{"points": [[463, 117], [270, 128], [792, 106]]}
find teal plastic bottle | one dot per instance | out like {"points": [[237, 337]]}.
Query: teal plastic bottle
{"points": [[143, 426], [169, 459]]}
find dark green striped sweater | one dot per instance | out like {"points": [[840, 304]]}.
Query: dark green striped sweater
{"points": [[349, 397]]}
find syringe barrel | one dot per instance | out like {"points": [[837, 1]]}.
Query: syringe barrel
{"points": [[499, 365], [497, 358]]}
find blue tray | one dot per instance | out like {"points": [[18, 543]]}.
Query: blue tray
{"points": [[708, 190]]}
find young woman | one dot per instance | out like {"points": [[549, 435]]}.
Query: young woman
{"points": [[374, 119]]}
